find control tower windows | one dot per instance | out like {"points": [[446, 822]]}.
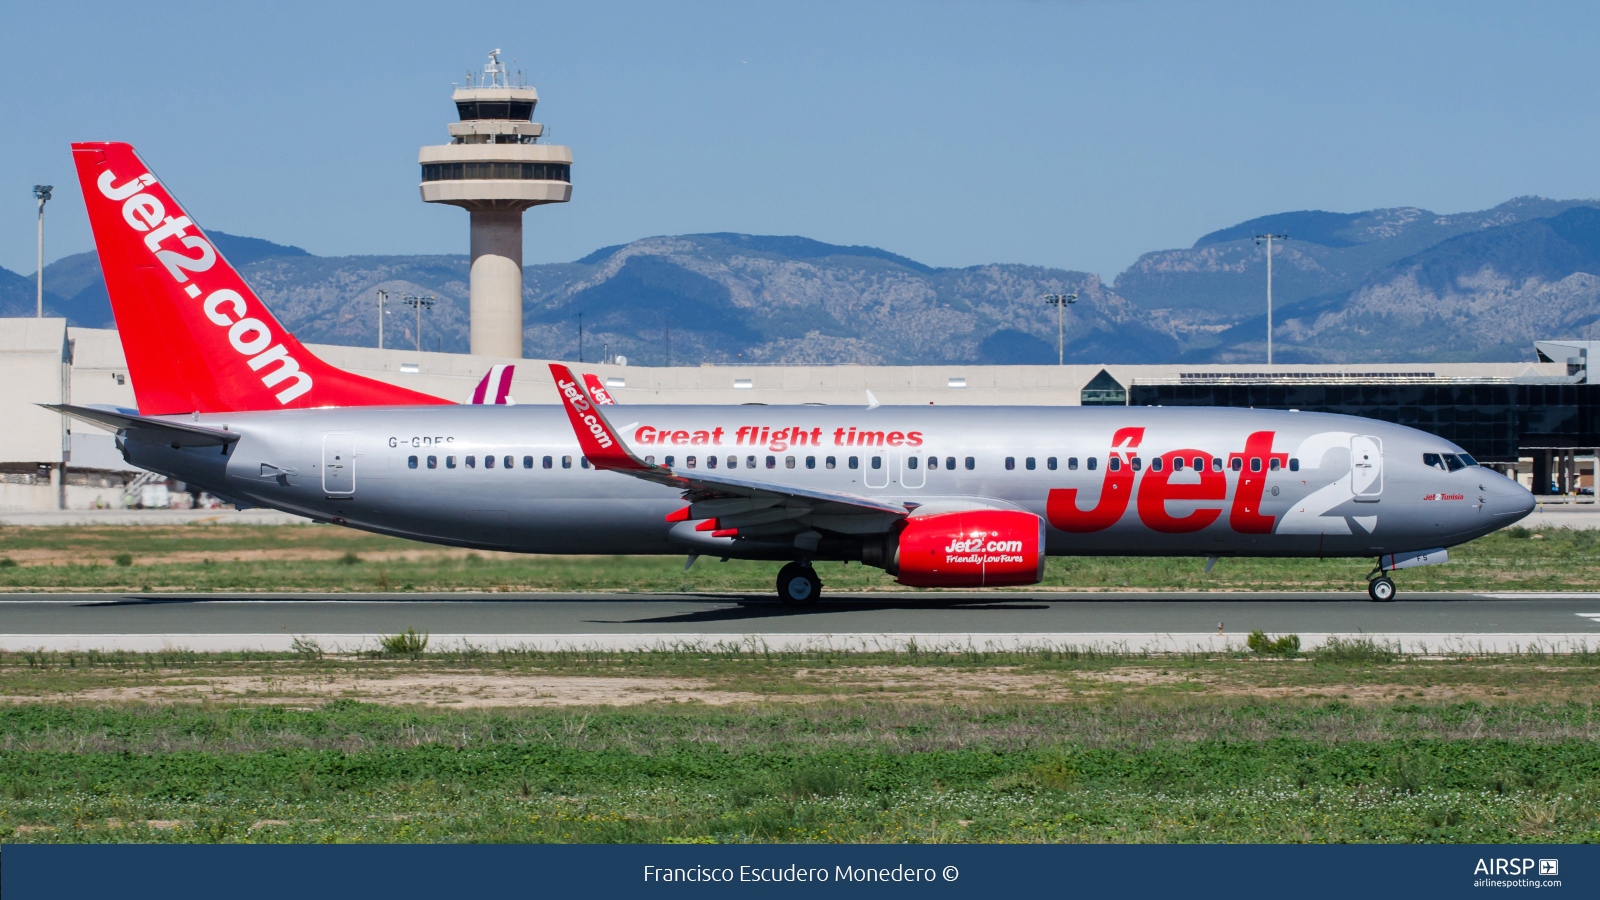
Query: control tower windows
{"points": [[520, 110], [508, 171]]}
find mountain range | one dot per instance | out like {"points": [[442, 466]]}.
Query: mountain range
{"points": [[1383, 285]]}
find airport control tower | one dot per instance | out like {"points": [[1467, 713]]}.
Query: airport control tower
{"points": [[494, 167]]}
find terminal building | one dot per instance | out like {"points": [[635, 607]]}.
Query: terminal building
{"points": [[1535, 421]]}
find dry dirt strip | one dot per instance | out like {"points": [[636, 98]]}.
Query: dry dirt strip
{"points": [[1118, 642]]}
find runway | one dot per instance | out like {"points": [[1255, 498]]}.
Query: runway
{"points": [[1134, 620]]}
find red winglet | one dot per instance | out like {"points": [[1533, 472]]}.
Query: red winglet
{"points": [[595, 436], [725, 532], [681, 515], [707, 525]]}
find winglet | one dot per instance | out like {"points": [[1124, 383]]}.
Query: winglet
{"points": [[597, 390], [872, 402], [600, 443], [495, 388]]}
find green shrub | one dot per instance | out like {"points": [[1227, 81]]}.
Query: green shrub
{"points": [[1287, 645], [7, 562], [349, 558], [124, 559], [407, 643], [1356, 650]]}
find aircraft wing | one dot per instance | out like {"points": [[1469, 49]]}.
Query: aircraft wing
{"points": [[179, 434], [714, 496]]}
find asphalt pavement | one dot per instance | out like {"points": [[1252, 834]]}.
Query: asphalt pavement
{"points": [[1131, 618]]}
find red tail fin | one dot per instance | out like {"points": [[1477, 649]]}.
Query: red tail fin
{"points": [[196, 337]]}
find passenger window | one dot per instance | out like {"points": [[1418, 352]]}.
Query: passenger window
{"points": [[1199, 463], [1094, 463], [411, 462], [566, 462], [1432, 459], [950, 463], [472, 462], [1050, 464], [788, 462], [583, 461], [1216, 464], [1011, 463], [933, 462], [527, 462], [855, 462], [548, 461], [1155, 464], [749, 462], [1294, 465], [1116, 464], [1453, 461], [971, 463], [649, 460], [772, 462], [508, 463], [1072, 464], [1137, 463], [711, 462], [488, 462], [911, 462], [877, 462], [1028, 463], [1255, 463], [1238, 464], [1276, 464], [733, 462], [831, 463], [433, 462], [449, 462], [811, 462]]}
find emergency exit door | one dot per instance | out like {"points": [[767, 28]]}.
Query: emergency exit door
{"points": [[1366, 467]]}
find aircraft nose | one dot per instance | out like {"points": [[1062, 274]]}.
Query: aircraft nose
{"points": [[1507, 500]]}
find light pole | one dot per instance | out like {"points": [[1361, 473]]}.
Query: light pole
{"points": [[383, 299], [580, 337], [1269, 238], [41, 191], [1061, 302], [419, 304]]}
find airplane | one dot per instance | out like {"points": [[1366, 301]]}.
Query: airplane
{"points": [[948, 496]]}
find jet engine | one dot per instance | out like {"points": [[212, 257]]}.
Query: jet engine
{"points": [[971, 548]]}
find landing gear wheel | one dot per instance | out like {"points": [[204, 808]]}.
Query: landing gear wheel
{"points": [[798, 585], [1381, 589]]}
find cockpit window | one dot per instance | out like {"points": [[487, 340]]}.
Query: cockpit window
{"points": [[1467, 460], [1454, 462], [1432, 459]]}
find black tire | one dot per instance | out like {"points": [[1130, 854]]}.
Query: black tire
{"points": [[798, 585], [1381, 589]]}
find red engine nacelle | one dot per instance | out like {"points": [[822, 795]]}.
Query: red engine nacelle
{"points": [[974, 548]]}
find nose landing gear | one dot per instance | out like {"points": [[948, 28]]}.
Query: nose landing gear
{"points": [[1381, 587], [798, 585]]}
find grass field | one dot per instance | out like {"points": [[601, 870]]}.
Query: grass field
{"points": [[1353, 744], [319, 557]]}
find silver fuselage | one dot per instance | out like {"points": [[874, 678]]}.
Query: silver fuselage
{"points": [[1355, 487]]}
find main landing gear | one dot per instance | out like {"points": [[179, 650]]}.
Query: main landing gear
{"points": [[1380, 588], [798, 585]]}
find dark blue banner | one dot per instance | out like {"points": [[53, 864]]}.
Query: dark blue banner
{"points": [[244, 872]]}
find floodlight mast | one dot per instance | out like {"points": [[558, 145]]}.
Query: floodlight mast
{"points": [[1061, 302], [419, 304], [42, 192], [1269, 238]]}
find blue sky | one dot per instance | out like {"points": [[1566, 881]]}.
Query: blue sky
{"points": [[1071, 134]]}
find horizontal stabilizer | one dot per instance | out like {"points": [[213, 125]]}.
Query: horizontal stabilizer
{"points": [[147, 428]]}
